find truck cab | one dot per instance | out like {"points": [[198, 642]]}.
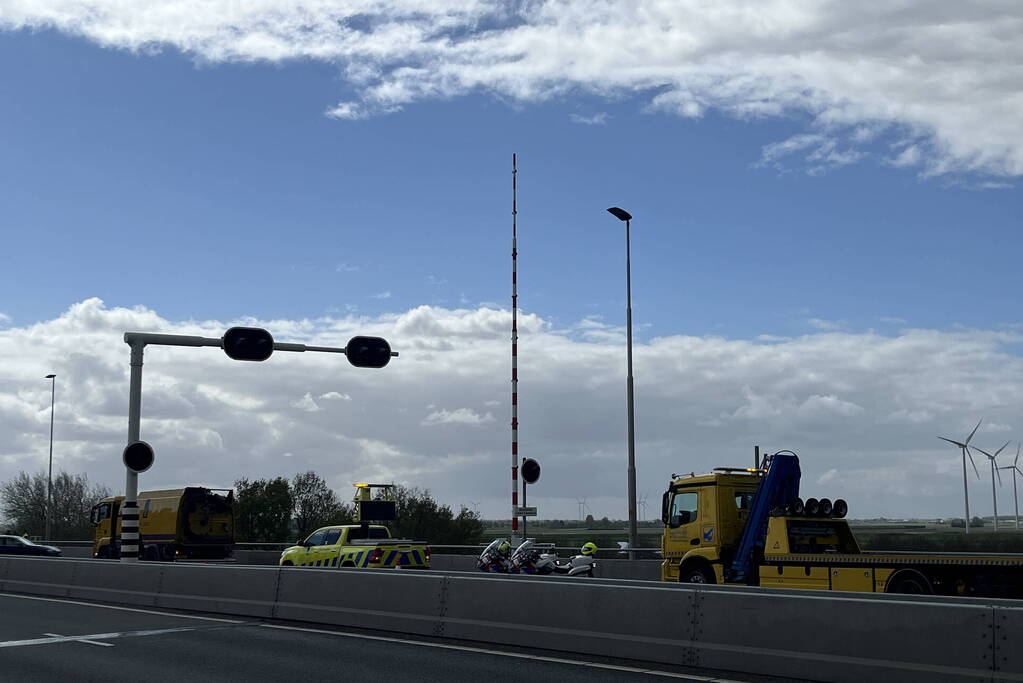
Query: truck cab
{"points": [[704, 516]]}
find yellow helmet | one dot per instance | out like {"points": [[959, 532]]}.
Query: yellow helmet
{"points": [[504, 548], [588, 548]]}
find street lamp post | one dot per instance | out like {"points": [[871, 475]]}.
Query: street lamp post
{"points": [[623, 215], [49, 479]]}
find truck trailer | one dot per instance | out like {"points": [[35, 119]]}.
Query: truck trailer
{"points": [[749, 526]]}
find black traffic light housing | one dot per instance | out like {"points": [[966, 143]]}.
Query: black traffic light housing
{"points": [[368, 352], [138, 456], [248, 343], [530, 471]]}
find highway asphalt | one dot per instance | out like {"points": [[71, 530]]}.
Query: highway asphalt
{"points": [[53, 639]]}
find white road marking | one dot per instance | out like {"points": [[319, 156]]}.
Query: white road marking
{"points": [[123, 609], [81, 640], [97, 636], [516, 655]]}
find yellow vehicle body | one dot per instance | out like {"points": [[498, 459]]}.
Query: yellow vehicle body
{"points": [[188, 523], [356, 545], [705, 515]]}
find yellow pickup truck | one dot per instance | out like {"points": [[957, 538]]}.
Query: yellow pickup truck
{"points": [[356, 545]]}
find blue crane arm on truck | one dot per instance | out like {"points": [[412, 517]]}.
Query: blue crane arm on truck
{"points": [[778, 488]]}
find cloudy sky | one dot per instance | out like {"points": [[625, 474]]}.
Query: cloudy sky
{"points": [[826, 242]]}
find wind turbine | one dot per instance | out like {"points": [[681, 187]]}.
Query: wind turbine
{"points": [[994, 471], [642, 507], [1015, 470], [965, 447]]}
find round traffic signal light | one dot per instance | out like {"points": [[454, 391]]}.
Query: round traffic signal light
{"points": [[138, 456], [248, 343], [368, 352], [530, 471]]}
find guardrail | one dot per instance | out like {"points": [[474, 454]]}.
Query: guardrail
{"points": [[801, 634]]}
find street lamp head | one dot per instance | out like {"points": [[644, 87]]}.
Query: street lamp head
{"points": [[620, 214], [50, 376]]}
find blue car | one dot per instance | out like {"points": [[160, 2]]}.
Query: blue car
{"points": [[16, 545]]}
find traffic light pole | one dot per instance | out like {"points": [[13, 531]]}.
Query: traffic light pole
{"points": [[138, 342]]}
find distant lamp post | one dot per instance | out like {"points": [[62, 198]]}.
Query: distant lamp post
{"points": [[623, 215], [49, 479]]}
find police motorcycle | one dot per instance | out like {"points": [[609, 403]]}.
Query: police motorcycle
{"points": [[530, 558], [496, 557]]}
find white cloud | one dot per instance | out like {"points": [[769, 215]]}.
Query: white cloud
{"points": [[598, 119], [944, 78], [346, 268], [4, 319], [335, 396], [382, 295], [864, 405], [306, 403], [464, 416], [826, 325]]}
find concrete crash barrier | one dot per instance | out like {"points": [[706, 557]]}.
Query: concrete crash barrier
{"points": [[831, 638], [648, 623], [791, 633], [245, 591], [407, 601], [37, 576], [112, 581]]}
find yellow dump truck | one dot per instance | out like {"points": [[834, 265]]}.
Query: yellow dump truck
{"points": [[750, 527], [176, 524]]}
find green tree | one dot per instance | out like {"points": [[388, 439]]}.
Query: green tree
{"points": [[24, 504], [420, 517], [262, 510], [316, 505]]}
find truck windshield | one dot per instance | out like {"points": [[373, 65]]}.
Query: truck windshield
{"points": [[821, 536]]}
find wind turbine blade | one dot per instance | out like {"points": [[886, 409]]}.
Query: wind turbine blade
{"points": [[956, 443], [1016, 461], [1000, 449], [981, 450], [966, 449], [973, 432], [998, 472]]}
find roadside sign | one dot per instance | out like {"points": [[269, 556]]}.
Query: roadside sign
{"points": [[526, 512]]}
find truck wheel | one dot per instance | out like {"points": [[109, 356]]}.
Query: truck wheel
{"points": [[909, 582], [151, 554], [695, 574], [104, 552], [287, 563]]}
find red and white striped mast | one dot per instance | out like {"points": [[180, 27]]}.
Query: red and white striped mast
{"points": [[514, 368]]}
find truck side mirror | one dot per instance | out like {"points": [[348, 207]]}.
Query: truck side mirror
{"points": [[664, 507]]}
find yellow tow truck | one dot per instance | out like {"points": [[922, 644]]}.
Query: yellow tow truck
{"points": [[748, 526], [174, 524], [362, 544]]}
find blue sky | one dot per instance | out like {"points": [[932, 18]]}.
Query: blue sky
{"points": [[212, 190], [826, 239]]}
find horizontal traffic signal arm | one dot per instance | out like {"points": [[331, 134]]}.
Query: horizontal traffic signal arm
{"points": [[141, 339]]}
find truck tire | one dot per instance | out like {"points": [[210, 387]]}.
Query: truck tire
{"points": [[104, 552], [908, 582], [287, 563], [695, 573]]}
